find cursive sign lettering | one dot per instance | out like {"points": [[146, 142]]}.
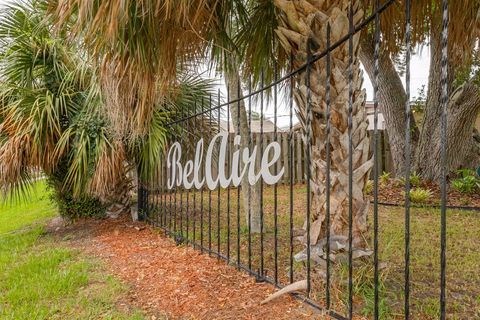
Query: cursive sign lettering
{"points": [[188, 176]]}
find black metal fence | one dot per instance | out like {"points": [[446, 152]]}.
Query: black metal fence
{"points": [[266, 226]]}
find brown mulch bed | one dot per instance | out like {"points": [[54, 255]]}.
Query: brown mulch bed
{"points": [[171, 282], [393, 192]]}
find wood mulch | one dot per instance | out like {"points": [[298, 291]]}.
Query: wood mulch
{"points": [[393, 192], [177, 282]]}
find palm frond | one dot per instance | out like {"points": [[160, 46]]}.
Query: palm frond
{"points": [[260, 47], [38, 93], [464, 26], [181, 101], [139, 45]]}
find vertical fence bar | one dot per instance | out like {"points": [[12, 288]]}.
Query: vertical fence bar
{"points": [[165, 196], [239, 170], [350, 163], [218, 172], [444, 101], [140, 198], [292, 175], [407, 161], [328, 160], [194, 216], [275, 187], [175, 185], [159, 181], [308, 148], [160, 188], [170, 211], [230, 149], [180, 186], [153, 196], [249, 186], [156, 185], [202, 247], [261, 180], [147, 196], [210, 122], [187, 213], [375, 159]]}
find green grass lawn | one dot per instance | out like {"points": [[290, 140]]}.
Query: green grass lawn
{"points": [[20, 213], [42, 278]]}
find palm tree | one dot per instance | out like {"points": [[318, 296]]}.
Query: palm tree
{"points": [[300, 27], [138, 54], [51, 112], [226, 57], [136, 61], [45, 93], [143, 56]]}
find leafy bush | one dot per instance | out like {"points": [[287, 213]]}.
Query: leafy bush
{"points": [[71, 207], [420, 195], [419, 101], [467, 183], [84, 207]]}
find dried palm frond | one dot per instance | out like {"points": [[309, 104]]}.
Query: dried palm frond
{"points": [[426, 16], [52, 111], [139, 46]]}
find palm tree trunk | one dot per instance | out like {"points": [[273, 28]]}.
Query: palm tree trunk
{"points": [[305, 21], [250, 194]]}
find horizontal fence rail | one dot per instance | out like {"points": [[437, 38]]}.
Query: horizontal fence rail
{"points": [[288, 207]]}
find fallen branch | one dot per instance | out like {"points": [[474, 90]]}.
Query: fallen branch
{"points": [[296, 286]]}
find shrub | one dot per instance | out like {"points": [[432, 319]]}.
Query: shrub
{"points": [[385, 177], [71, 207], [467, 183], [368, 187], [74, 209], [420, 195], [415, 180]]}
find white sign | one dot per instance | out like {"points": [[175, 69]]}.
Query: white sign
{"points": [[189, 175]]}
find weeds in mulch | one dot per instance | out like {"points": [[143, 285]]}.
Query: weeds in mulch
{"points": [[392, 191]]}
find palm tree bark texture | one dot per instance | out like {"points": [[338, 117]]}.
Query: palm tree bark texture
{"points": [[304, 23]]}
